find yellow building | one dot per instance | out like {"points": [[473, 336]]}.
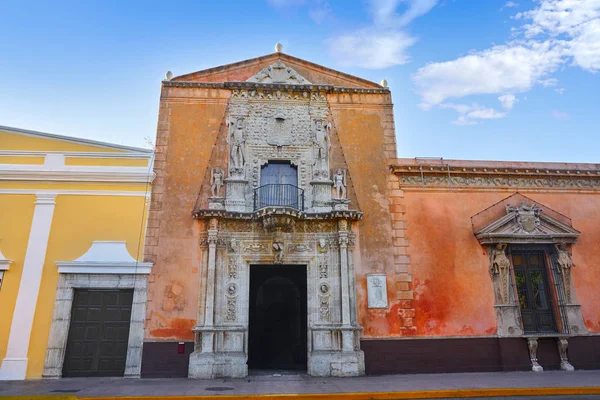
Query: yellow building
{"points": [[72, 223]]}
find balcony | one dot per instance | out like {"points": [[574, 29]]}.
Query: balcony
{"points": [[279, 195]]}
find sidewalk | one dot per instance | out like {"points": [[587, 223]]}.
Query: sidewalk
{"points": [[367, 387]]}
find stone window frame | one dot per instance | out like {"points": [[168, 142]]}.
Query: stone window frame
{"points": [[61, 318], [527, 224]]}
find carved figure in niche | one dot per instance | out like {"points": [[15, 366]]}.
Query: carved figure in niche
{"points": [[278, 248], [339, 183], [236, 140], [321, 147], [322, 245], [216, 181], [501, 267], [234, 245], [564, 267]]}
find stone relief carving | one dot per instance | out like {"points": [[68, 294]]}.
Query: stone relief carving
{"points": [[278, 252], [231, 309], [322, 245], [532, 344], [255, 248], [236, 140], [299, 248], [495, 181], [323, 271], [377, 291], [234, 245], [232, 271], [339, 183], [565, 263], [528, 216], [278, 73], [501, 269]]}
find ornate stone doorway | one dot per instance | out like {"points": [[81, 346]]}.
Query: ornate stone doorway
{"points": [[277, 317]]}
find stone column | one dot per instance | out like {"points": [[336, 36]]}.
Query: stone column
{"points": [[14, 365], [347, 335], [209, 314]]}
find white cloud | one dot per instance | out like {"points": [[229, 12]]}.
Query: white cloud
{"points": [[560, 90], [384, 43], [500, 69], [369, 48], [469, 114], [319, 11], [507, 101], [509, 4], [553, 34], [560, 115]]}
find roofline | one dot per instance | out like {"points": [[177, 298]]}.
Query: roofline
{"points": [[72, 139], [276, 55]]}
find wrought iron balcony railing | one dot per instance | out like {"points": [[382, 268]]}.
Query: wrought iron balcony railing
{"points": [[279, 195]]}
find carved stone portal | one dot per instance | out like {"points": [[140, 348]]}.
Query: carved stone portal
{"points": [[326, 249]]}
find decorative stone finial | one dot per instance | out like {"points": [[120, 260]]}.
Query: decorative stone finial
{"points": [[278, 47], [168, 75], [384, 83]]}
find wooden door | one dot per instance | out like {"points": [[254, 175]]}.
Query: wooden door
{"points": [[98, 333], [535, 300]]}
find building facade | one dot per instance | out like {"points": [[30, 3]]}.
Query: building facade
{"points": [[286, 234], [283, 233], [72, 222]]}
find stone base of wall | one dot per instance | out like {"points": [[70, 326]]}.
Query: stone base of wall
{"points": [[412, 356], [162, 360]]}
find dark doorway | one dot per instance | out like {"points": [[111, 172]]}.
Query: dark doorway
{"points": [[535, 299], [98, 334], [277, 331]]}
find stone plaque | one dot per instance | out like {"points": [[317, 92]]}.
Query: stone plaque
{"points": [[377, 291]]}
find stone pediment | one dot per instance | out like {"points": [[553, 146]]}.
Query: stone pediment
{"points": [[523, 221], [278, 73]]}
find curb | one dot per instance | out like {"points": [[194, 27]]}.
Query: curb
{"points": [[424, 394]]}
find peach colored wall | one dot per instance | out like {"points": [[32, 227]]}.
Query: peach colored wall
{"points": [[452, 285], [189, 121], [364, 124]]}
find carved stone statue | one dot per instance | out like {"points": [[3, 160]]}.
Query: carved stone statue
{"points": [[532, 344], [564, 267], [321, 146], [236, 140], [339, 183], [216, 181], [501, 268], [278, 248]]}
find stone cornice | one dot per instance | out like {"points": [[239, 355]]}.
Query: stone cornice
{"points": [[274, 86], [453, 174]]}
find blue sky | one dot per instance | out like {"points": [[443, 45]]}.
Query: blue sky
{"points": [[470, 79]]}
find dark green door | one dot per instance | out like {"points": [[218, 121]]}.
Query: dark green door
{"points": [[98, 334], [535, 299]]}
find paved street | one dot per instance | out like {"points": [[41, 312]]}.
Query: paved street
{"points": [[274, 383]]}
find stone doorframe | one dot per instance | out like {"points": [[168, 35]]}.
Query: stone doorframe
{"points": [[221, 335], [106, 265], [61, 318]]}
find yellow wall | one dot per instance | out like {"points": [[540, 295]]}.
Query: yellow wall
{"points": [[77, 222], [16, 214], [13, 141], [22, 160], [107, 162]]}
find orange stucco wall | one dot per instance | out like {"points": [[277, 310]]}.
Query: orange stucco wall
{"points": [[450, 269], [187, 132]]}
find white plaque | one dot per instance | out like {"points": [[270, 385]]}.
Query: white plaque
{"points": [[377, 291]]}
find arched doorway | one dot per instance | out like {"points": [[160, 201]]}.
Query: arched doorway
{"points": [[277, 328]]}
